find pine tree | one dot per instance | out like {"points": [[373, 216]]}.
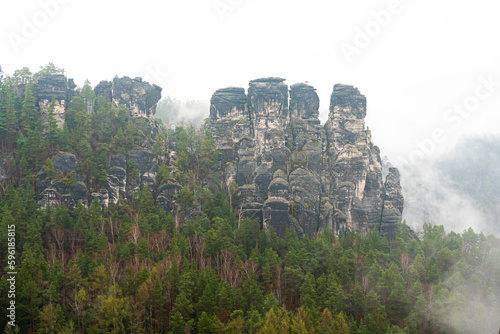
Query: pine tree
{"points": [[119, 142], [308, 292], [301, 322], [49, 169], [270, 324], [29, 112], [8, 125], [205, 324], [51, 319], [326, 322], [88, 96], [53, 132], [335, 297], [177, 324], [340, 325]]}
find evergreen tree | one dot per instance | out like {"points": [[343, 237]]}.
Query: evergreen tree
{"points": [[88, 95], [30, 117], [53, 132], [49, 169], [8, 120], [177, 324]]}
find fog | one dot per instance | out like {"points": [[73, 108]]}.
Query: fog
{"points": [[457, 188], [429, 199], [430, 70]]}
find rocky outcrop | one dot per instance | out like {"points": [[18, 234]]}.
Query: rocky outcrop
{"points": [[58, 87], [393, 200], [142, 171], [127, 175], [291, 170], [294, 172], [7, 168], [353, 163], [139, 96], [104, 89], [66, 188]]}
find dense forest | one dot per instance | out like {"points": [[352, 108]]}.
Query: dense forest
{"points": [[131, 268]]}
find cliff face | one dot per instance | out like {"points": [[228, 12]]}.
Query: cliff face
{"points": [[55, 86], [293, 172], [139, 96], [126, 173]]}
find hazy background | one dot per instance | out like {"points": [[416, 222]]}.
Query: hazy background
{"points": [[428, 57]]}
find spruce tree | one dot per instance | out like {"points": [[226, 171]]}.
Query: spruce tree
{"points": [[53, 132], [29, 112]]}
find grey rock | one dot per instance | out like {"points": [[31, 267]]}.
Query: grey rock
{"points": [[54, 86], [58, 87], [142, 169], [65, 162], [393, 202], [7, 167], [166, 196], [293, 172], [304, 102], [139, 96], [104, 89]]}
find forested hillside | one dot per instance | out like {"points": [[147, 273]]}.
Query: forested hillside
{"points": [[129, 267]]}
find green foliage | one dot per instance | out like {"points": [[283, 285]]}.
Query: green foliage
{"points": [[49, 169], [163, 174], [29, 113], [213, 274], [201, 268], [48, 69]]}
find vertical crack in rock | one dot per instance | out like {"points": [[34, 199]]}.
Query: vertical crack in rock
{"points": [[293, 172], [139, 96], [55, 86], [126, 174]]}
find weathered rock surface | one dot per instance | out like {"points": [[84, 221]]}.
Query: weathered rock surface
{"points": [[55, 86], [7, 168], [142, 171], [291, 170], [126, 176], [104, 89], [59, 190], [294, 172], [139, 96]]}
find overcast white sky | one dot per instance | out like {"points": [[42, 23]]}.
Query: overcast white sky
{"points": [[427, 57]]}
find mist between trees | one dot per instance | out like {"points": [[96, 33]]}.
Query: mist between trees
{"points": [[131, 267], [174, 112]]}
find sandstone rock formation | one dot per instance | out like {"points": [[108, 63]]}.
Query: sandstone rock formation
{"points": [[294, 172], [60, 191], [139, 96], [126, 174], [291, 170], [55, 86]]}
